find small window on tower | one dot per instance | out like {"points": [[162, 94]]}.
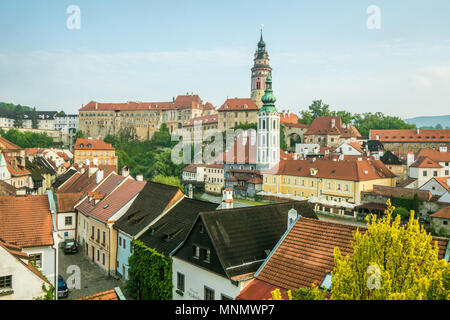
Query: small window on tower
{"points": [[258, 85]]}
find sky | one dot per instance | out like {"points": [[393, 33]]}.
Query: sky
{"points": [[132, 50]]}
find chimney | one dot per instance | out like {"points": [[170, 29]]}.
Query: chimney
{"points": [[95, 161], [96, 106], [139, 177], [292, 216], [98, 176], [409, 159], [125, 171], [227, 199], [92, 170], [443, 149], [333, 122], [418, 131]]}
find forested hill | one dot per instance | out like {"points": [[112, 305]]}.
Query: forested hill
{"points": [[11, 106]]}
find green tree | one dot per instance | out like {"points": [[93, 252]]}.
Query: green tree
{"points": [[162, 136], [18, 116], [34, 119], [319, 109], [403, 260], [306, 117], [171, 180]]}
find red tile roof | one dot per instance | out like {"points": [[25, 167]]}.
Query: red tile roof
{"points": [[362, 170], [434, 155], [323, 126], [181, 102], [244, 150], [66, 201], [442, 214], [14, 167], [6, 189], [411, 135], [238, 104], [385, 191], [106, 295], [26, 221], [443, 181], [425, 162], [117, 199], [92, 144], [203, 120], [6, 145]]}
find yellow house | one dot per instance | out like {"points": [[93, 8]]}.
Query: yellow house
{"points": [[96, 151], [101, 237], [340, 181]]}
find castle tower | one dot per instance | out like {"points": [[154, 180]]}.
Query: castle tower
{"points": [[268, 130], [261, 69]]}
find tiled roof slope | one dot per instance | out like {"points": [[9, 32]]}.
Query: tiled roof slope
{"points": [[362, 170], [390, 158], [323, 126], [106, 295], [435, 155], [238, 104], [106, 186], [203, 120], [62, 178], [153, 200], [92, 144], [443, 213], [411, 135], [66, 201], [26, 221], [245, 235], [107, 207], [6, 189], [425, 162], [386, 191], [6, 145], [166, 234]]}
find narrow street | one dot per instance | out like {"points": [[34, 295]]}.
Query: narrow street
{"points": [[93, 278]]}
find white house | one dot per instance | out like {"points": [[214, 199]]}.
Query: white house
{"points": [[19, 279], [350, 148], [437, 186]]}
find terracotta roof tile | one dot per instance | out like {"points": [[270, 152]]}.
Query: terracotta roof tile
{"points": [[6, 145], [117, 199], [66, 201], [386, 191], [362, 170], [443, 213], [425, 162], [92, 144], [106, 295], [238, 104], [411, 135], [203, 120], [323, 126], [26, 221], [434, 155]]}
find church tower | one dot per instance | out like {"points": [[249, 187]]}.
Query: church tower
{"points": [[261, 69], [268, 130]]}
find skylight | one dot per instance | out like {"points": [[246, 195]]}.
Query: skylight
{"points": [[326, 283]]}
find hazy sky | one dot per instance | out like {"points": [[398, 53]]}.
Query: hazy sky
{"points": [[154, 50]]}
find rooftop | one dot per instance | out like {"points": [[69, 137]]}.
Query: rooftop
{"points": [[411, 135]]}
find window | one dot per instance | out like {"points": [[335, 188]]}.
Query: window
{"points": [[195, 252], [98, 255], [98, 235], [36, 259], [104, 236], [6, 282], [180, 281], [209, 293], [201, 228], [424, 173], [120, 241], [93, 232], [103, 259], [225, 297], [205, 254], [445, 222], [435, 173], [68, 221]]}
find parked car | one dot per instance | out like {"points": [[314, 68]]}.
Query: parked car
{"points": [[63, 291], [70, 246]]}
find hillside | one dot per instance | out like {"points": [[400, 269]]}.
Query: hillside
{"points": [[11, 106], [431, 121]]}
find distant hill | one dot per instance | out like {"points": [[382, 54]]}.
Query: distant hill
{"points": [[431, 121], [11, 106]]}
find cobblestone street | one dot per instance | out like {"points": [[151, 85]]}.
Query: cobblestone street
{"points": [[93, 278]]}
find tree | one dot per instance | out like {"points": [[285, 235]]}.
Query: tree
{"points": [[34, 119], [162, 137], [305, 117], [169, 180], [391, 262], [319, 109], [18, 116], [402, 212]]}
